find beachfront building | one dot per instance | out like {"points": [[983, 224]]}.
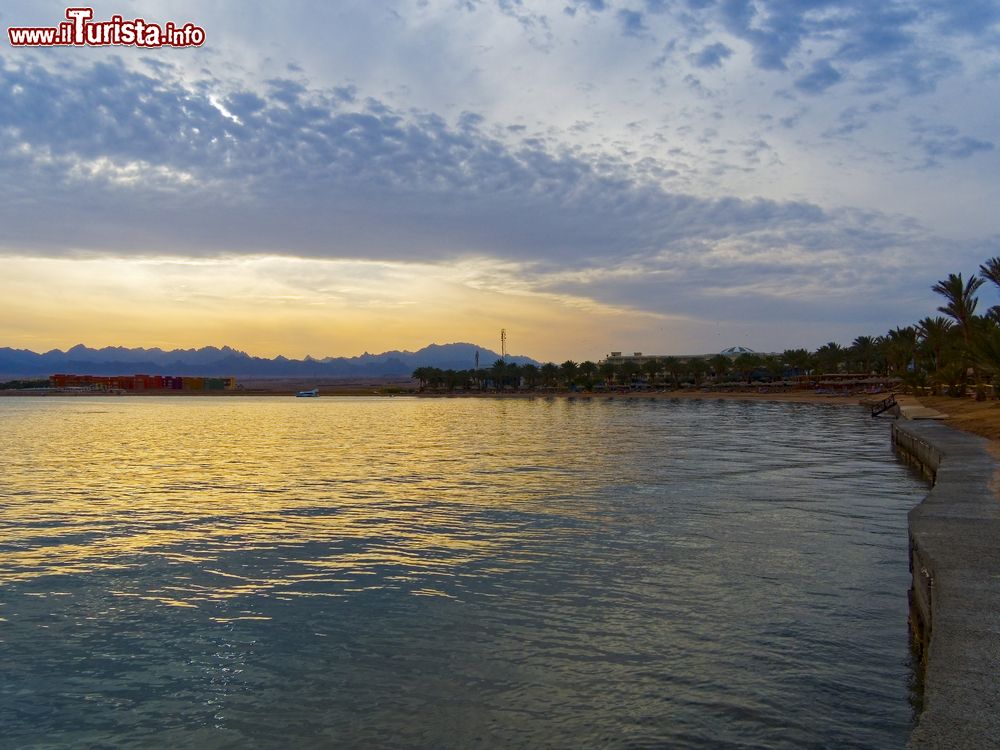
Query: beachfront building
{"points": [[620, 358], [141, 382]]}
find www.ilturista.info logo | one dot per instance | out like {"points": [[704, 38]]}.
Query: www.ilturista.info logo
{"points": [[80, 30]]}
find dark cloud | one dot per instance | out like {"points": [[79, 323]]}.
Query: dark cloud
{"points": [[129, 162], [593, 5], [791, 121], [971, 17], [821, 77], [244, 104], [836, 273], [711, 56], [878, 33], [945, 142], [286, 91], [307, 175], [917, 72], [774, 35], [632, 23], [345, 93], [535, 24], [888, 43], [849, 121], [960, 147]]}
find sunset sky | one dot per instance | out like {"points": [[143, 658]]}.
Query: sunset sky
{"points": [[669, 176]]}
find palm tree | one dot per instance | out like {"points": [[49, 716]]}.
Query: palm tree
{"points": [[530, 374], [674, 368], [512, 374], [721, 365], [991, 270], [899, 347], [497, 372], [550, 374], [651, 368], [607, 371], [696, 368], [961, 308], [961, 300], [747, 364], [774, 365], [988, 351], [829, 356], [799, 360], [863, 350], [626, 372], [422, 375], [435, 377], [935, 334], [568, 371], [588, 370]]}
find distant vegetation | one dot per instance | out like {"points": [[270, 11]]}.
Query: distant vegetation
{"points": [[947, 353], [665, 372], [14, 385]]}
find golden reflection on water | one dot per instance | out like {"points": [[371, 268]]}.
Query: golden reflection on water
{"points": [[368, 572], [94, 484]]}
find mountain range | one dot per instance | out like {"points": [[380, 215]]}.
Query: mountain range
{"points": [[226, 361]]}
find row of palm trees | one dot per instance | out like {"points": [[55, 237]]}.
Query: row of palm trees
{"points": [[670, 372], [947, 352], [966, 346]]}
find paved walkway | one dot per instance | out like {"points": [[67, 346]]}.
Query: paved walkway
{"points": [[910, 408], [955, 558]]}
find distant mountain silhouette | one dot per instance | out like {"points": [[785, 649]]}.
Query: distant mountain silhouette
{"points": [[226, 361]]}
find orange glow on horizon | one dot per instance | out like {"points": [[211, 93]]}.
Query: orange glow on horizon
{"points": [[269, 306]]}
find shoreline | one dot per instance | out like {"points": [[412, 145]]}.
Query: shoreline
{"points": [[803, 397]]}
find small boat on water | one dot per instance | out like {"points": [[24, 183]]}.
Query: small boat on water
{"points": [[308, 394]]}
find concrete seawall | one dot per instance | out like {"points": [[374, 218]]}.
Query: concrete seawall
{"points": [[955, 599]]}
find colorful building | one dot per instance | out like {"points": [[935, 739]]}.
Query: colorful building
{"points": [[141, 383]]}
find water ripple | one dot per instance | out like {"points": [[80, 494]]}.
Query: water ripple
{"points": [[447, 573]]}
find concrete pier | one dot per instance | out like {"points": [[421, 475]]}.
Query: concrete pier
{"points": [[955, 599]]}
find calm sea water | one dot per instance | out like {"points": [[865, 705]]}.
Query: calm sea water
{"points": [[234, 572]]}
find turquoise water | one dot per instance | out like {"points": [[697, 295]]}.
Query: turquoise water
{"points": [[273, 572]]}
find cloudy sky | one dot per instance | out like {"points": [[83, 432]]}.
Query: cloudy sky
{"points": [[670, 176]]}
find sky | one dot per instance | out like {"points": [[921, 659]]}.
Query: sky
{"points": [[665, 176]]}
